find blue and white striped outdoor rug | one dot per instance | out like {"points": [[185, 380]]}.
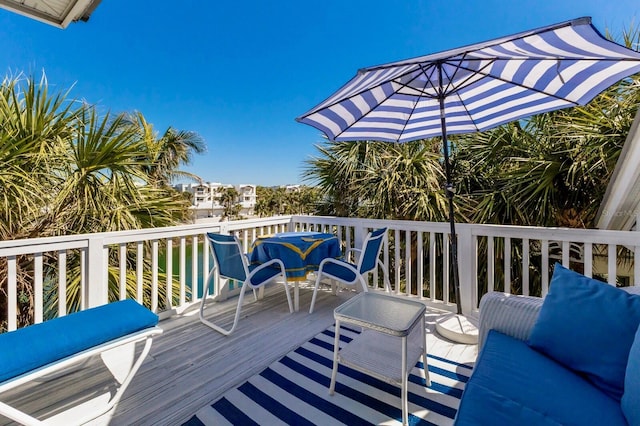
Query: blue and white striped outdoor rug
{"points": [[294, 390]]}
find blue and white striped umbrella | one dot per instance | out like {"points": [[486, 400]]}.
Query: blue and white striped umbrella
{"points": [[474, 88], [479, 86]]}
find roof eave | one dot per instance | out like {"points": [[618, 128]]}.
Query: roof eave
{"points": [[81, 10]]}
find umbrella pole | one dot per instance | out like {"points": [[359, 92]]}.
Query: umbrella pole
{"points": [[449, 190]]}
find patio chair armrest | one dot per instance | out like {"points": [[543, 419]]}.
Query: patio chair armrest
{"points": [[509, 314], [350, 250], [338, 262]]}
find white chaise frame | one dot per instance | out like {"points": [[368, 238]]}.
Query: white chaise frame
{"points": [[123, 377]]}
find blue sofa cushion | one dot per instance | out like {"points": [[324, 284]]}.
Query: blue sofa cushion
{"points": [[588, 326], [512, 384], [37, 345], [631, 398]]}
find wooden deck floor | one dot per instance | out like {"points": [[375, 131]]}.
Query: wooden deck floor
{"points": [[191, 365]]}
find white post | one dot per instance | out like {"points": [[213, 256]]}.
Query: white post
{"points": [[96, 291]]}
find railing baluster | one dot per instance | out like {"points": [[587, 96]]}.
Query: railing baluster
{"points": [[62, 283], [588, 259], [566, 254], [544, 269], [12, 293], [123, 270], [407, 263], [385, 254], [474, 276], [445, 266], [432, 266], [420, 266], [169, 272], [507, 265], [611, 265], [396, 256], [139, 272], [205, 260], [525, 266], [38, 288], [154, 275], [491, 263], [83, 278], [194, 268], [183, 270]]}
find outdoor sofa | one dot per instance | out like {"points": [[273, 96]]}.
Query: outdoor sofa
{"points": [[572, 358]]}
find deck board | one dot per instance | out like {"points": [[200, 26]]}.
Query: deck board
{"points": [[191, 365]]}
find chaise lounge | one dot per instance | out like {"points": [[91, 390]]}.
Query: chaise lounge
{"points": [[58, 345]]}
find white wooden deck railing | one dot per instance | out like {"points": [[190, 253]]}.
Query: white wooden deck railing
{"points": [[416, 253]]}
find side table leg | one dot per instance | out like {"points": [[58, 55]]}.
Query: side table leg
{"points": [[427, 378], [405, 384], [336, 348]]}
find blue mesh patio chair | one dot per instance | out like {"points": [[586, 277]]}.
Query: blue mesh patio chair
{"points": [[231, 264], [350, 273]]}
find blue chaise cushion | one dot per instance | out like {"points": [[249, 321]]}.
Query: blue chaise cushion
{"points": [[512, 384], [631, 398], [37, 345], [589, 327]]}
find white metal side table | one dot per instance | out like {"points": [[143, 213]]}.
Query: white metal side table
{"points": [[390, 343]]}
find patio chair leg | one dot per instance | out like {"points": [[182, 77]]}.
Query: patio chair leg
{"points": [[365, 287], [237, 315], [315, 293], [286, 289]]}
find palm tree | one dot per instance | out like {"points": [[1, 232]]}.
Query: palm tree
{"points": [[66, 170], [379, 179], [167, 153], [228, 199], [551, 170]]}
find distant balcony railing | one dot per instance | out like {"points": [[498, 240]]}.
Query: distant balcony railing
{"points": [[164, 268]]}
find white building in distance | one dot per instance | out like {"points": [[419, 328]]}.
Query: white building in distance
{"points": [[206, 198]]}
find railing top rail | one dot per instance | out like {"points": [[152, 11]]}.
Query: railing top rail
{"points": [[25, 246], [409, 225], [556, 234], [31, 247], [63, 242]]}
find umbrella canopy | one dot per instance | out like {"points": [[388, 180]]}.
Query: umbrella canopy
{"points": [[474, 88], [482, 85]]}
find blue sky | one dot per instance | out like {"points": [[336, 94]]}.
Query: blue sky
{"points": [[238, 73]]}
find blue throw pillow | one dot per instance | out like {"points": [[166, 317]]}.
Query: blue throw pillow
{"points": [[589, 327], [631, 398]]}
